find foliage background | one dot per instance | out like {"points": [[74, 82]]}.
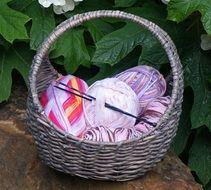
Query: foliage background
{"points": [[102, 47]]}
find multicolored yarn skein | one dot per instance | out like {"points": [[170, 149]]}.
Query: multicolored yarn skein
{"points": [[146, 81], [64, 109], [114, 92]]}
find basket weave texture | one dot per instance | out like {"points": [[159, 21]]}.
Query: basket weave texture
{"points": [[118, 161]]}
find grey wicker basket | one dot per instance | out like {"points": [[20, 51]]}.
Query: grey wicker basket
{"points": [[119, 161]]}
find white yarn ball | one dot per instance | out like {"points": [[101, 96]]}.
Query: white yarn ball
{"points": [[116, 93]]}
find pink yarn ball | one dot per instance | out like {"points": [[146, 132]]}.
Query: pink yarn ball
{"points": [[100, 134], [116, 93], [156, 109], [64, 109], [146, 81], [141, 128], [122, 134]]}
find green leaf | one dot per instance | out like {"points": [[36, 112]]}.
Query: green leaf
{"points": [[197, 67], [87, 5], [12, 23], [208, 186], [124, 3], [43, 23], [116, 45], [73, 48], [4, 43], [98, 28], [20, 5], [18, 57], [178, 10], [153, 53], [200, 155], [107, 70], [184, 129]]}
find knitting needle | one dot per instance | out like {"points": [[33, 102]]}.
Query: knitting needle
{"points": [[106, 104], [76, 90], [90, 98]]}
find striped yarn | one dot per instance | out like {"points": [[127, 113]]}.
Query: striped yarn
{"points": [[147, 83], [100, 134], [156, 109], [65, 110]]}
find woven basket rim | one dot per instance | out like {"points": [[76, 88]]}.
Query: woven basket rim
{"points": [[78, 19]]}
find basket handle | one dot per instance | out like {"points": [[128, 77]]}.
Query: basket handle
{"points": [[78, 19]]}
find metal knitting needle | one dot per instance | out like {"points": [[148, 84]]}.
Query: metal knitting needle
{"points": [[106, 104], [90, 98], [76, 90], [119, 110]]}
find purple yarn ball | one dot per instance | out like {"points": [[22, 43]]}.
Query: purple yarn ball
{"points": [[147, 82]]}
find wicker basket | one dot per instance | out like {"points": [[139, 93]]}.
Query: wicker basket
{"points": [[118, 161]]}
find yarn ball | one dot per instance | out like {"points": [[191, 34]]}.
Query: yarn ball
{"points": [[147, 83], [100, 134], [116, 93], [141, 128], [156, 109], [122, 134], [64, 109]]}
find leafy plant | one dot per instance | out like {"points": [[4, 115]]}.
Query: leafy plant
{"points": [[102, 47]]}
